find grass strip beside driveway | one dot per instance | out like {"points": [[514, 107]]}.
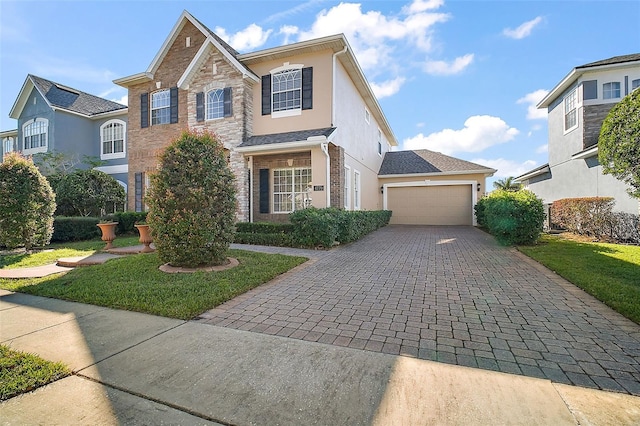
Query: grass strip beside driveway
{"points": [[609, 272], [134, 283], [21, 372]]}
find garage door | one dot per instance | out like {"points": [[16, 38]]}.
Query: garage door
{"points": [[431, 205]]}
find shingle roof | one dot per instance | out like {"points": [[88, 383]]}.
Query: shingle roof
{"points": [[613, 60], [277, 138], [425, 161], [224, 44], [74, 100]]}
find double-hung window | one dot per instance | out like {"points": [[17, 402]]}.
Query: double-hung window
{"points": [[347, 188], [291, 190], [356, 190], [7, 145], [34, 135], [287, 90], [611, 90], [379, 142], [112, 137], [635, 84], [570, 111], [160, 107], [215, 104]]}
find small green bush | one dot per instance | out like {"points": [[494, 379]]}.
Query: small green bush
{"points": [[126, 221], [77, 228], [192, 202], [277, 240], [585, 216], [264, 228], [514, 217], [88, 193], [27, 204], [353, 225], [479, 208]]}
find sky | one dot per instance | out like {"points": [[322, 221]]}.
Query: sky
{"points": [[458, 77]]}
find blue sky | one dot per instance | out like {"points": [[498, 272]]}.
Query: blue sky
{"points": [[459, 77]]}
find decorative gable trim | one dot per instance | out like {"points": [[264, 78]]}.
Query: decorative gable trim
{"points": [[23, 97]]}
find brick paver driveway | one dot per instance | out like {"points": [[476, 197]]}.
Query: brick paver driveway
{"points": [[448, 294]]}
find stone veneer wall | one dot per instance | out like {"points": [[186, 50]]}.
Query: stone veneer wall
{"points": [[145, 145], [593, 116], [336, 157], [216, 73], [300, 159]]}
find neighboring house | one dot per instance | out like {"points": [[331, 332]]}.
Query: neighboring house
{"points": [[429, 188], [56, 118], [577, 106], [300, 123]]}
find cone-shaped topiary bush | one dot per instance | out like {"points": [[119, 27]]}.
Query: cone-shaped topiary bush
{"points": [[192, 202], [27, 204]]}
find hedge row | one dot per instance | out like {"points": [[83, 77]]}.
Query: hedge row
{"points": [[594, 216], [313, 227], [80, 228], [512, 217]]}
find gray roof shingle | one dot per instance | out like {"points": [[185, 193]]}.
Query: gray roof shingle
{"points": [[425, 161], [614, 60], [74, 100], [276, 138]]}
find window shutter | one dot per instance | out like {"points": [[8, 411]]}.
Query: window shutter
{"points": [[144, 110], [200, 106], [227, 105], [266, 94], [174, 105], [264, 191], [590, 89], [307, 88], [138, 191]]}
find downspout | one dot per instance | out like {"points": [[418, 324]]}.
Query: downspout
{"points": [[333, 86], [325, 149], [251, 206]]}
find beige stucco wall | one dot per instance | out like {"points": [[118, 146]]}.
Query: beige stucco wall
{"points": [[480, 178], [317, 117]]}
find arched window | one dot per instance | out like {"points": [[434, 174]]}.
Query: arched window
{"points": [[113, 139], [287, 90], [35, 135], [215, 104]]}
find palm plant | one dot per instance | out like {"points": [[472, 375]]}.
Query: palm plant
{"points": [[507, 184]]}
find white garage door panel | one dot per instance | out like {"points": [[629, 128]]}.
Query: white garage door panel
{"points": [[431, 205]]}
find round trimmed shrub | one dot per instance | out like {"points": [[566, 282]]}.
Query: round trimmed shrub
{"points": [[27, 204], [88, 193], [192, 202], [513, 217]]}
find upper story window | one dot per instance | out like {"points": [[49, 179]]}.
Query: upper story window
{"points": [[160, 107], [570, 111], [35, 135], [635, 84], [215, 104], [379, 142], [611, 90], [287, 91], [8, 145], [112, 139], [367, 116]]}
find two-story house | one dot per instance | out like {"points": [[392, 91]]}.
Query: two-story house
{"points": [[300, 122], [56, 118], [577, 106]]}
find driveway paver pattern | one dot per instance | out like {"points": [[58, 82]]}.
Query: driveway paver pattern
{"points": [[447, 294]]}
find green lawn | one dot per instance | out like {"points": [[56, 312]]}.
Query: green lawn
{"points": [[134, 283], [55, 251], [609, 272], [21, 372]]}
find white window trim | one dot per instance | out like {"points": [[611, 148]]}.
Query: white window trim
{"points": [[367, 116], [564, 111], [40, 148], [113, 155], [611, 83], [151, 108], [6, 141], [379, 146], [287, 112], [347, 187], [206, 104], [357, 190], [293, 184]]}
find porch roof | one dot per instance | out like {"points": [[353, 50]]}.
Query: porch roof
{"points": [[287, 137]]}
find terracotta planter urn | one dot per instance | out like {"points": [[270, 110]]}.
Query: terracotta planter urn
{"points": [[108, 233], [145, 238]]}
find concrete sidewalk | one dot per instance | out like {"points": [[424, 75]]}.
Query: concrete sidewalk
{"points": [[132, 368]]}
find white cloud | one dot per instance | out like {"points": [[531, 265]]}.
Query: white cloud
{"points": [[288, 31], [124, 100], [532, 99], [542, 149], [387, 88], [250, 38], [506, 168], [67, 70], [523, 30], [448, 68], [479, 132], [418, 6]]}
